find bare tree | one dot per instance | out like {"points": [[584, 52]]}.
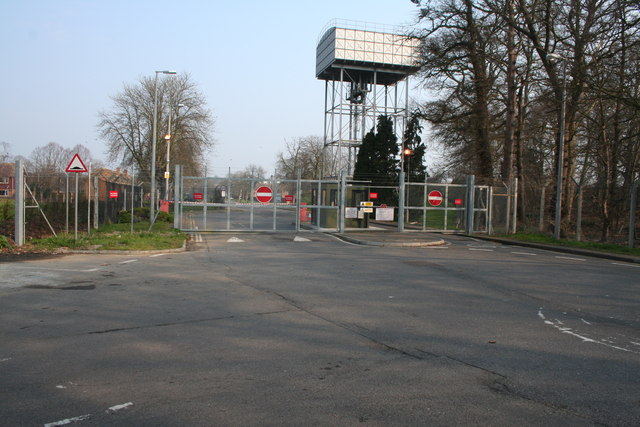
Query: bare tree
{"points": [[5, 152], [50, 159], [127, 127], [301, 156]]}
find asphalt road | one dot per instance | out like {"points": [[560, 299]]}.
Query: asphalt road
{"points": [[267, 329]]}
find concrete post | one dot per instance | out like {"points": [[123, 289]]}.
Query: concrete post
{"points": [[177, 196], [470, 204], [19, 204], [401, 202], [633, 205]]}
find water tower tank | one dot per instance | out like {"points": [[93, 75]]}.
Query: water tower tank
{"points": [[365, 68]]}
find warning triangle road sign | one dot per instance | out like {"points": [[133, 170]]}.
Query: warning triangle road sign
{"points": [[76, 165]]}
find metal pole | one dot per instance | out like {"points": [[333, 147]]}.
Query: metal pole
{"points": [[401, 202], [470, 203], [95, 202], [514, 221], [579, 215], [89, 201], [152, 208], [543, 192], [75, 203], [206, 192], [133, 192], [343, 202], [19, 204], [66, 221], [558, 219], [633, 205], [177, 196]]}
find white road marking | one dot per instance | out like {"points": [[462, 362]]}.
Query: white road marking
{"points": [[524, 253], [235, 240], [27, 267], [558, 325], [5, 359], [480, 249], [128, 261], [68, 421], [301, 239], [625, 265], [117, 408], [570, 258]]}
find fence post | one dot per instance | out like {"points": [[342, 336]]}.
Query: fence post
{"points": [[298, 193], [543, 193], [342, 203], [177, 195], [96, 183], [579, 215], [19, 204], [470, 204], [514, 216], [633, 205], [401, 203]]}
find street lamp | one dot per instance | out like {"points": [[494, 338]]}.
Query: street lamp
{"points": [[554, 57], [152, 211], [167, 138]]}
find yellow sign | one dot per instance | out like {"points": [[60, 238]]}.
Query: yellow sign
{"points": [[366, 203]]}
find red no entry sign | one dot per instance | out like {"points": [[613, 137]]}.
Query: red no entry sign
{"points": [[264, 194], [435, 198], [113, 194]]}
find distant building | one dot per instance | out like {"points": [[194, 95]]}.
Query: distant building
{"points": [[109, 180], [7, 180]]}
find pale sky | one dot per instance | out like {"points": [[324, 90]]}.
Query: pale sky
{"points": [[254, 61]]}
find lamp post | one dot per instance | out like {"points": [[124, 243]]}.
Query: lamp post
{"points": [[152, 210], [558, 219], [167, 137]]}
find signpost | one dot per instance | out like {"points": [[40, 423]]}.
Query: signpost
{"points": [[76, 165], [264, 194], [435, 198]]}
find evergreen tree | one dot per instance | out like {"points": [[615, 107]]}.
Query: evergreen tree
{"points": [[377, 160], [414, 168]]}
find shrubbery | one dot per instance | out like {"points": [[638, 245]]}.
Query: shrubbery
{"points": [[142, 214]]}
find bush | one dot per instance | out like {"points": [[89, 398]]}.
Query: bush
{"points": [[4, 242], [164, 217], [142, 213]]}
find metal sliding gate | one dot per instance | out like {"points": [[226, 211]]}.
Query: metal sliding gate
{"points": [[251, 204], [248, 204]]}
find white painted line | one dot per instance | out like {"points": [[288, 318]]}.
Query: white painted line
{"points": [[117, 408], [625, 265], [570, 258], [157, 255], [479, 249], [558, 325], [128, 261], [235, 240], [5, 359], [68, 421], [27, 267], [61, 387], [523, 253], [301, 239]]}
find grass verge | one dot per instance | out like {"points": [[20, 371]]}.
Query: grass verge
{"points": [[116, 237], [592, 246]]}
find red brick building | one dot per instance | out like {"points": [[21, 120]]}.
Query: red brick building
{"points": [[7, 180]]}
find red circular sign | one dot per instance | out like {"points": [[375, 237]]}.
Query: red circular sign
{"points": [[435, 198], [264, 194]]}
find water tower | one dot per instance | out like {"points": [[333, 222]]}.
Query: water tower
{"points": [[366, 70]]}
